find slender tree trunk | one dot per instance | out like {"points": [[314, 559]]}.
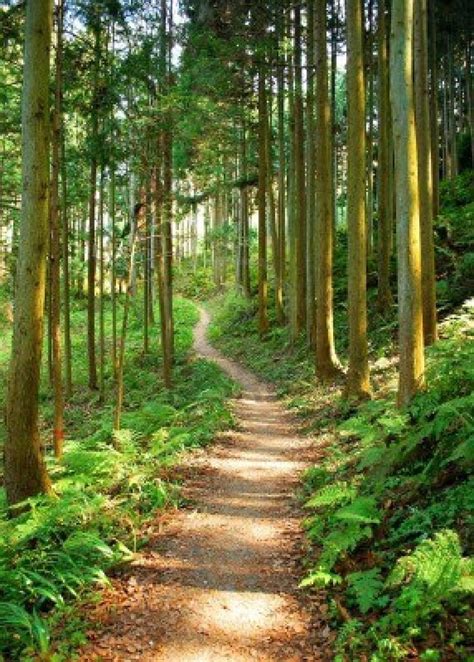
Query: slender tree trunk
{"points": [[433, 97], [25, 473], [273, 217], [123, 335], [55, 245], [244, 221], [370, 131], [385, 170], [311, 184], [101, 287], [262, 221], [92, 259], [358, 375], [300, 225], [66, 274], [281, 176], [326, 360], [425, 189], [452, 109], [113, 267], [410, 313]]}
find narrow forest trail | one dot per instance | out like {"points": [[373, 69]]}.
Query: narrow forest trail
{"points": [[219, 579]]}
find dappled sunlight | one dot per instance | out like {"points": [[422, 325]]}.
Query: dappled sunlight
{"points": [[220, 582]]}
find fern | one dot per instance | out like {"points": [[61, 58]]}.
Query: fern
{"points": [[367, 587], [362, 510], [320, 578], [433, 571], [332, 495]]}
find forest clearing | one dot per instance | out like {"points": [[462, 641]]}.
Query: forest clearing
{"points": [[236, 323]]}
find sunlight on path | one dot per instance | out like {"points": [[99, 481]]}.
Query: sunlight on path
{"points": [[220, 582]]}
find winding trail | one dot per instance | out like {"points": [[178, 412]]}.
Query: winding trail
{"points": [[218, 580]]}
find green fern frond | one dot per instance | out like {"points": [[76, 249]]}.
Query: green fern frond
{"points": [[363, 510], [366, 586], [332, 495]]}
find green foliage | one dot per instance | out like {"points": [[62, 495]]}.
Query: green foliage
{"points": [[106, 486], [367, 586], [393, 506], [428, 575]]}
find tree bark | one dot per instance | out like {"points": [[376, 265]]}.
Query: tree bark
{"points": [[327, 366], [425, 173], [358, 375], [300, 224], [55, 244], [25, 473], [385, 170], [92, 258], [410, 315], [262, 228]]}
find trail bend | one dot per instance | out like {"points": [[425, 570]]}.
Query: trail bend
{"points": [[219, 579]]}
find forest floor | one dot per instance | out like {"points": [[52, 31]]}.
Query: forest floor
{"points": [[219, 578]]}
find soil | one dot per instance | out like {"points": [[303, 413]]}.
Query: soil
{"points": [[219, 578]]}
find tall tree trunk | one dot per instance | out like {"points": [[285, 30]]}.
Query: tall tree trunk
{"points": [[326, 360], [55, 244], [92, 258], [300, 224], [358, 375], [370, 130], [113, 266], [425, 190], [244, 221], [272, 212], [453, 151], [411, 375], [123, 336], [66, 273], [311, 184], [434, 106], [262, 220], [25, 473], [385, 169], [101, 286], [281, 173]]}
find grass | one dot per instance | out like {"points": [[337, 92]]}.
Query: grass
{"points": [[60, 549]]}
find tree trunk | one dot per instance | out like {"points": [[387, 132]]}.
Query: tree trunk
{"points": [[411, 371], [311, 184], [425, 189], [281, 175], [300, 224], [262, 228], [25, 473], [55, 245], [326, 360], [123, 335], [358, 375], [92, 259], [385, 170], [433, 97]]}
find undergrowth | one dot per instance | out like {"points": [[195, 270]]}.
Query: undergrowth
{"points": [[105, 489], [390, 520]]}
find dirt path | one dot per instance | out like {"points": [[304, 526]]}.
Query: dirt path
{"points": [[219, 581]]}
